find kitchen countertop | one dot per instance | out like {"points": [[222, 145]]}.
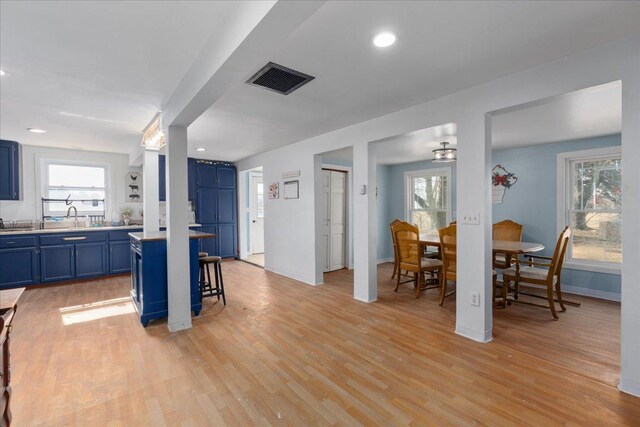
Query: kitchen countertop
{"points": [[76, 229], [162, 235]]}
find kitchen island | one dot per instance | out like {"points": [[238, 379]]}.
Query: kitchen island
{"points": [[149, 273]]}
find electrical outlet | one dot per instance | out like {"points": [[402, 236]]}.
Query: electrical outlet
{"points": [[475, 299], [471, 219]]}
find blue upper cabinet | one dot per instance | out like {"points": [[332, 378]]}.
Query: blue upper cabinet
{"points": [[9, 170], [162, 178], [226, 205], [207, 205], [226, 176], [206, 175], [192, 177]]}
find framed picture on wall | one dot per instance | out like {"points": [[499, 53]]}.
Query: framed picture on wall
{"points": [[274, 190], [291, 190]]}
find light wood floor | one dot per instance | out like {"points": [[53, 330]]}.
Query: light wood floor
{"points": [[284, 353]]}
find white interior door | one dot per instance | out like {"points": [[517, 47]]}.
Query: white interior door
{"points": [[333, 220], [256, 214], [338, 220], [325, 220]]}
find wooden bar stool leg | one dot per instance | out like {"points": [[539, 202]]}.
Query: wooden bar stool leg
{"points": [[209, 276], [219, 267], [216, 273]]}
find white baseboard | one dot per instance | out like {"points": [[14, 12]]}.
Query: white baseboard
{"points": [[474, 335], [383, 260], [577, 290], [367, 300], [306, 280], [179, 325], [629, 386]]}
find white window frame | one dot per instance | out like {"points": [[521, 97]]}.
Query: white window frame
{"points": [[408, 192], [45, 163], [564, 190]]}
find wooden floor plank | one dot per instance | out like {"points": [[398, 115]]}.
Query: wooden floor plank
{"points": [[285, 353]]}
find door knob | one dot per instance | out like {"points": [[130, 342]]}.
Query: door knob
{"points": [[254, 221]]}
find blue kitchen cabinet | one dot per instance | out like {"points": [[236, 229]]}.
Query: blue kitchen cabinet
{"points": [[207, 205], [91, 260], [162, 178], [226, 240], [119, 257], [226, 176], [192, 179], [210, 246], [9, 170], [226, 205], [206, 174], [57, 262], [149, 278], [18, 267]]}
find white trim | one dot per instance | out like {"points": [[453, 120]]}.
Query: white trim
{"points": [[478, 336], [594, 266], [446, 172], [349, 207], [384, 260], [563, 181], [593, 293], [42, 172], [629, 386]]}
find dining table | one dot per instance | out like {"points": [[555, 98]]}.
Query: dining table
{"points": [[510, 249]]}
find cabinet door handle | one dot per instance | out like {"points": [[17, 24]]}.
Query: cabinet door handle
{"points": [[10, 243], [74, 238]]}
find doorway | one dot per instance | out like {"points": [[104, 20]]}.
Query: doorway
{"points": [[333, 219], [251, 192]]}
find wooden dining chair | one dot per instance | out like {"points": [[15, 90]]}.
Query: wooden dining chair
{"points": [[395, 247], [449, 260], [529, 272], [410, 258], [505, 230]]}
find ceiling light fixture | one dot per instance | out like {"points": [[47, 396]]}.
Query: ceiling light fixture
{"points": [[385, 39], [36, 130], [201, 149], [2, 73], [152, 136], [444, 154]]}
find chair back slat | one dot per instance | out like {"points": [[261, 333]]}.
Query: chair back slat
{"points": [[408, 243], [507, 230], [448, 248], [557, 259]]}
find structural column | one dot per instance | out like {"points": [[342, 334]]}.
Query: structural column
{"points": [[179, 289], [474, 273], [630, 314], [365, 235], [150, 192]]}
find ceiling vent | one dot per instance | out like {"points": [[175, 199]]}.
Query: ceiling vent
{"points": [[279, 79]]}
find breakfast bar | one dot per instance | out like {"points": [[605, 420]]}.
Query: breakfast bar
{"points": [[149, 273]]}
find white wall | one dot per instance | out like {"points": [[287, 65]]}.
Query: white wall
{"points": [[289, 226], [29, 205]]}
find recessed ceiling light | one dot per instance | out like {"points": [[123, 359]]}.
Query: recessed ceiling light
{"points": [[385, 39], [2, 73], [201, 149], [36, 130]]}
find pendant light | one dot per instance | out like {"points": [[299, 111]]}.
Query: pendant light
{"points": [[444, 154]]}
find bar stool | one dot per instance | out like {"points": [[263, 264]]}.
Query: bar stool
{"points": [[206, 288]]}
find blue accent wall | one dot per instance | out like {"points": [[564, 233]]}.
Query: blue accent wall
{"points": [[531, 202]]}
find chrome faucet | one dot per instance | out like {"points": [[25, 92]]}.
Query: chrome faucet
{"points": [[75, 222]]}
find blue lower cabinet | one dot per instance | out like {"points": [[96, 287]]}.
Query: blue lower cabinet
{"points": [[91, 260], [226, 239], [119, 257], [57, 263], [18, 267], [149, 278], [210, 246]]}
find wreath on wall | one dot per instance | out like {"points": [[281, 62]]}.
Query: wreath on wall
{"points": [[501, 179]]}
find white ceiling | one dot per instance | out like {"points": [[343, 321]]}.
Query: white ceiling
{"points": [[442, 47], [94, 73]]}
